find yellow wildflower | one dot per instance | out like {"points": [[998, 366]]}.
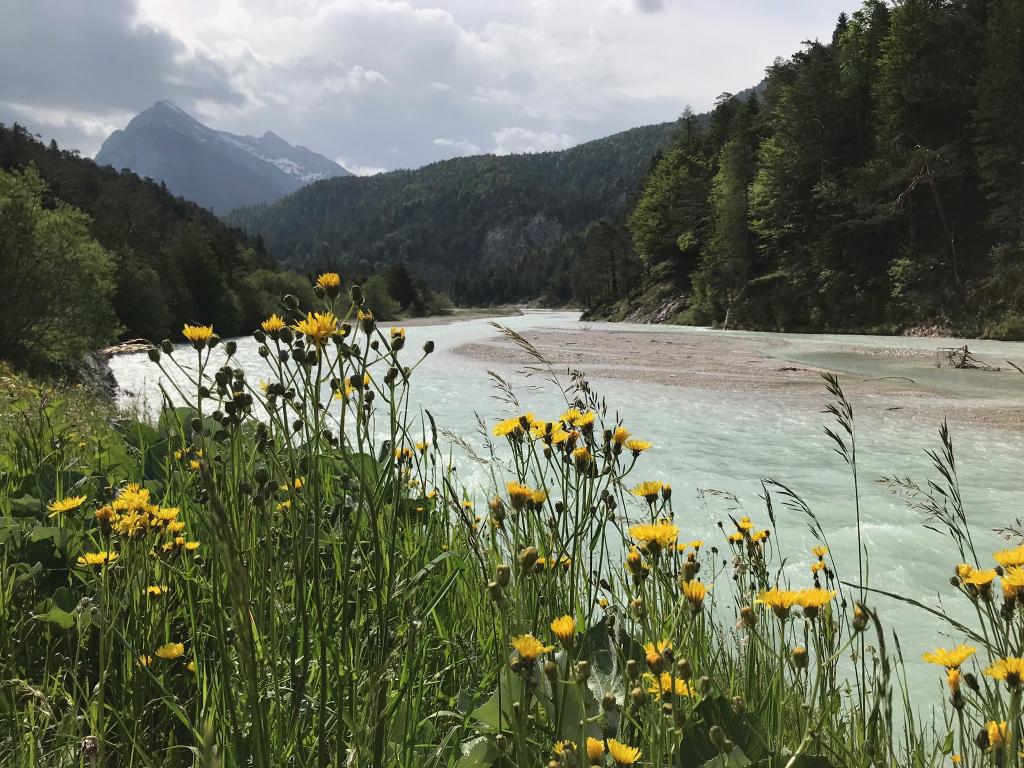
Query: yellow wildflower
{"points": [[648, 490], [595, 750], [529, 647], [97, 558], [169, 651], [980, 578], [199, 335], [620, 435], [623, 754], [69, 504], [329, 281], [518, 494], [273, 324], [661, 534], [950, 659], [666, 683], [695, 592], [564, 628], [779, 600], [819, 551], [637, 446], [1010, 558], [1010, 669], [318, 326], [997, 734]]}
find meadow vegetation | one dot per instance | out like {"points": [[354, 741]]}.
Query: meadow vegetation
{"points": [[289, 572]]}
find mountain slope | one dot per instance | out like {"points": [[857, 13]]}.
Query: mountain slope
{"points": [[214, 168], [451, 218]]}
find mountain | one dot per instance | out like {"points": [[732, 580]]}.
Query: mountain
{"points": [[176, 262], [214, 168], [455, 221]]}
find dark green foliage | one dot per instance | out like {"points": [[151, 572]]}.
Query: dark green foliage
{"points": [[175, 261], [56, 281], [876, 183]]}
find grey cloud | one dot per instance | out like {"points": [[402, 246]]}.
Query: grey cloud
{"points": [[650, 6], [93, 57]]}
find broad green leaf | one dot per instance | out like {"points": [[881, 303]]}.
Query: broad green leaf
{"points": [[57, 616]]}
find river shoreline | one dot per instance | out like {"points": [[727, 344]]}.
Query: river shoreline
{"points": [[710, 360]]}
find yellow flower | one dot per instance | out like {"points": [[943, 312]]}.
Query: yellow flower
{"points": [[518, 494], [816, 566], [655, 653], [199, 335], [695, 592], [1010, 558], [155, 591], [819, 551], [1012, 581], [514, 426], [318, 326], [538, 497], [582, 457], [398, 333], [191, 666], [997, 734], [329, 281], [366, 320], [620, 435], [171, 651], [635, 564], [658, 685], [744, 524], [595, 750], [813, 600], [145, 660], [648, 490], [980, 579], [272, 324], [1010, 669], [735, 538], [561, 747], [949, 659], [97, 558], [953, 680], [963, 570], [779, 600], [637, 446], [623, 754], [759, 536], [529, 647], [659, 535], [70, 504], [191, 546], [564, 628]]}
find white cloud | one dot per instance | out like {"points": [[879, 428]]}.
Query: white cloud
{"points": [[460, 147], [376, 81], [517, 140]]}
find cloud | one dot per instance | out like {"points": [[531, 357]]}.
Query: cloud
{"points": [[650, 6], [390, 83], [461, 147], [517, 140]]}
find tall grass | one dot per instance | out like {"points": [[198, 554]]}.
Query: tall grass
{"points": [[289, 573]]}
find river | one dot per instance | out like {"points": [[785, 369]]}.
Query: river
{"points": [[726, 410]]}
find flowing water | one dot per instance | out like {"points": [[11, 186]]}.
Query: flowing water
{"points": [[728, 440]]}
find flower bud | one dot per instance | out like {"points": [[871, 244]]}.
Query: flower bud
{"points": [[154, 354], [230, 347], [503, 575], [583, 671], [551, 671], [799, 657], [608, 702], [633, 669], [527, 558], [428, 347], [167, 347], [494, 591], [357, 295]]}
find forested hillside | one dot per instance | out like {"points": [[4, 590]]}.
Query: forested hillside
{"points": [[462, 224], [156, 261], [878, 184]]}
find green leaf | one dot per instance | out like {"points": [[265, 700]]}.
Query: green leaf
{"points": [[57, 616], [481, 755], [735, 759]]}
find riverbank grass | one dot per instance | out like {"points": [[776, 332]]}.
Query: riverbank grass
{"points": [[289, 572]]}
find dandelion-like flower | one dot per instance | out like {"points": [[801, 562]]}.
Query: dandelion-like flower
{"points": [[518, 494], [694, 591], [529, 647], [69, 504], [595, 750], [329, 281], [318, 326], [665, 683], [1010, 670], [620, 435], [1010, 558], [198, 335], [813, 600], [779, 600], [648, 490], [623, 754], [97, 558], [659, 535], [655, 654], [169, 651], [560, 747], [637, 446], [997, 733], [564, 628], [950, 659], [273, 324], [819, 551]]}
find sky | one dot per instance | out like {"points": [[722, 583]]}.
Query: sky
{"points": [[383, 84]]}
